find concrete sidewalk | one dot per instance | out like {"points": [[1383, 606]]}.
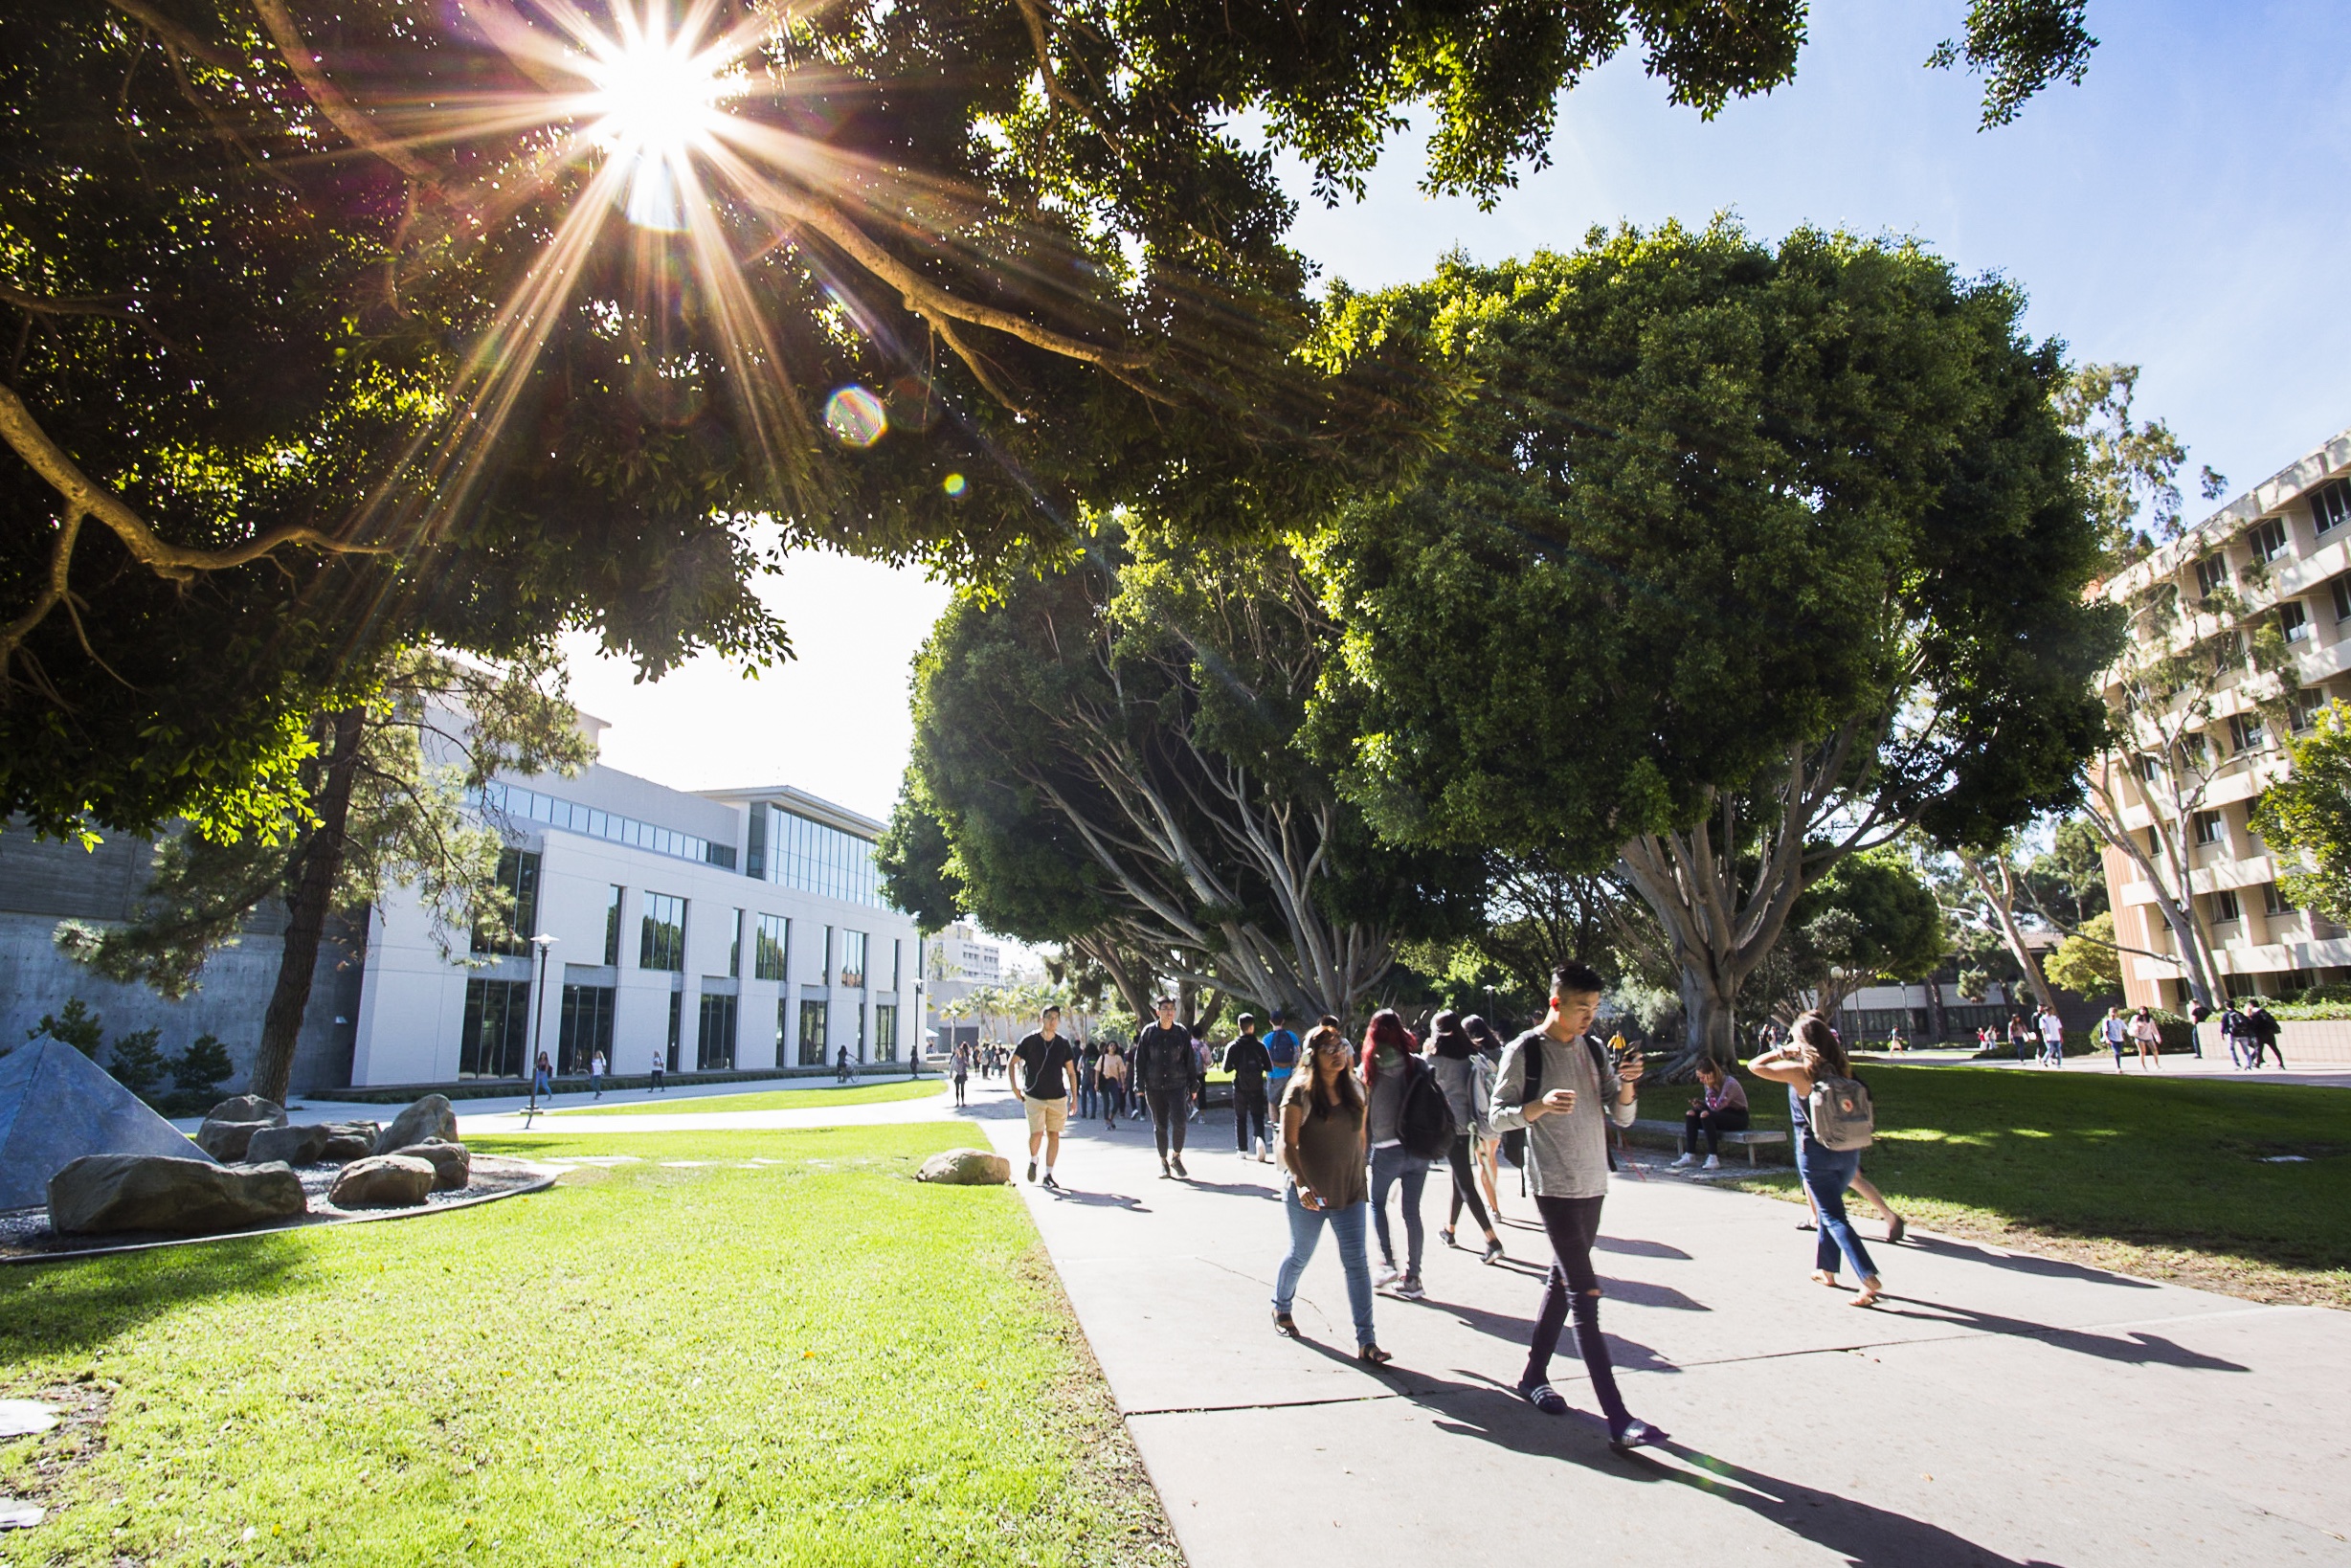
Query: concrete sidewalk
{"points": [[1999, 1408]]}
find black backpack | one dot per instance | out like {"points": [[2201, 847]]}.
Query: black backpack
{"points": [[1515, 1141], [1424, 1122]]}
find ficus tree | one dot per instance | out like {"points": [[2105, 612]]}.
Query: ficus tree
{"points": [[2305, 817], [1743, 559]]}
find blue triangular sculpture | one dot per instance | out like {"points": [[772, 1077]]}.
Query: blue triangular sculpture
{"points": [[56, 1105]]}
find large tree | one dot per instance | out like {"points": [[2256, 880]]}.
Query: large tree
{"points": [[1743, 559], [339, 326]]}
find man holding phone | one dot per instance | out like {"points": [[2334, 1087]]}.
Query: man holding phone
{"points": [[1561, 1087]]}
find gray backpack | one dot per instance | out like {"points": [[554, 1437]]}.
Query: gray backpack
{"points": [[1840, 1113]]}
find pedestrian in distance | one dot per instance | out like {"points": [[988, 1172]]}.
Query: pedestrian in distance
{"points": [[1113, 1074], [1090, 1078], [1045, 1079], [2020, 1037], [1162, 1071], [1467, 1079], [1486, 1152], [1199, 1071], [1392, 1070], [1281, 1052], [840, 1066], [2232, 1030], [1558, 1087], [961, 1060], [543, 1076], [1245, 1059], [1322, 1119], [2261, 1031], [595, 1076], [1721, 1107], [2148, 1035], [2053, 1039], [656, 1074], [1812, 1056], [2116, 1031]]}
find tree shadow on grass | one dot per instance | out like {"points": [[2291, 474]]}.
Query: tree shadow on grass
{"points": [[53, 1309]]}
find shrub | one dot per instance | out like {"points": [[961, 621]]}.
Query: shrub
{"points": [[137, 1063], [196, 1076], [75, 1025]]}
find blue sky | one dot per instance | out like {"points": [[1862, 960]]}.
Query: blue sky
{"points": [[2181, 210]]}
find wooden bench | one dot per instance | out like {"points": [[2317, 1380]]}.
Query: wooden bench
{"points": [[1669, 1134]]}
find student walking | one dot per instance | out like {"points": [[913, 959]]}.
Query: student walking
{"points": [[543, 1076], [962, 1060], [2053, 1039], [1485, 1150], [1812, 1054], [2148, 1036], [1323, 1116], [1558, 1087], [1090, 1078], [1044, 1077], [2020, 1037], [2116, 1033], [595, 1076], [1163, 1071], [1245, 1059], [1113, 1074], [1721, 1107], [1390, 1068], [1281, 1052], [2232, 1030], [1468, 1084], [2261, 1033], [656, 1074]]}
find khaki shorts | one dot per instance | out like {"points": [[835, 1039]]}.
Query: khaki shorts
{"points": [[1047, 1115]]}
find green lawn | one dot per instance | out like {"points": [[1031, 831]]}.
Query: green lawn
{"points": [[2165, 1179], [818, 1361], [814, 1099]]}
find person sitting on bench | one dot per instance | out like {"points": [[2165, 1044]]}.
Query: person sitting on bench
{"points": [[1721, 1109]]}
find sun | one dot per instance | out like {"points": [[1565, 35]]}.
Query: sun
{"points": [[655, 102]]}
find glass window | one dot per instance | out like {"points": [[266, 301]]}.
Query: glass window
{"points": [[2274, 900], [677, 1005], [515, 801], [662, 943], [2247, 732], [815, 858], [611, 927], [2308, 704], [772, 949], [734, 949], [812, 1034], [518, 880], [2269, 540], [496, 1028], [824, 971], [2207, 827], [587, 1028], [2343, 598], [885, 1033], [714, 1038], [783, 1030], [898, 963], [2293, 622], [2330, 505], [853, 958], [2224, 910], [2212, 573]]}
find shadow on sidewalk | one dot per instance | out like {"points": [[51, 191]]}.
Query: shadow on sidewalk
{"points": [[1630, 1354], [2056, 1268], [2136, 1349], [1633, 1248]]}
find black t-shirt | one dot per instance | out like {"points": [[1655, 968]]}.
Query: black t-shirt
{"points": [[1043, 1063]]}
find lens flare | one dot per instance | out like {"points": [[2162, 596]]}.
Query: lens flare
{"points": [[954, 485], [657, 101], [856, 416]]}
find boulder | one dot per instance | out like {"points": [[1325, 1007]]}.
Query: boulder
{"points": [[247, 1108], [453, 1164], [56, 1105], [966, 1168], [431, 1117], [228, 1141], [348, 1141], [102, 1192], [287, 1145], [382, 1182]]}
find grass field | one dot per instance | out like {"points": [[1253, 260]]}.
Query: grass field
{"points": [[685, 1359], [2168, 1179], [816, 1099]]}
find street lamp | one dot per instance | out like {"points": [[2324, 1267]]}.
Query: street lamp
{"points": [[538, 1026]]}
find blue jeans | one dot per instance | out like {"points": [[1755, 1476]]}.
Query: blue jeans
{"points": [[1389, 1166], [1826, 1174], [1306, 1228]]}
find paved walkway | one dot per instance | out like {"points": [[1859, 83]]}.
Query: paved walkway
{"points": [[1999, 1408]]}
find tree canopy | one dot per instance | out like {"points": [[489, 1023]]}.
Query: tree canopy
{"points": [[2305, 817], [1744, 558]]}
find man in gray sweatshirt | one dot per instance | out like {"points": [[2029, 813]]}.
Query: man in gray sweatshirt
{"points": [[1565, 1122]]}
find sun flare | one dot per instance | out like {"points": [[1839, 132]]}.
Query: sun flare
{"points": [[658, 100]]}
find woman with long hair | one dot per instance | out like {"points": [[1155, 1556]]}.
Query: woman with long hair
{"points": [[1486, 1151], [1468, 1084], [1390, 1063], [1322, 1120], [1111, 1070], [1813, 1052]]}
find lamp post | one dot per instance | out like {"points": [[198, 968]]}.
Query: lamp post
{"points": [[538, 1026]]}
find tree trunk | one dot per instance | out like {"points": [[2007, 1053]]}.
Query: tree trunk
{"points": [[1936, 1023], [315, 870], [2004, 904], [1710, 1023]]}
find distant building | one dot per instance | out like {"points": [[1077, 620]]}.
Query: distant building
{"points": [[724, 929], [959, 960]]}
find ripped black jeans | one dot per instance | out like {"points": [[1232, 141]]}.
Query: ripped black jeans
{"points": [[1573, 1224]]}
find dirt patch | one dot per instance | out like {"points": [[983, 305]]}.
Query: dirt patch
{"points": [[34, 1470]]}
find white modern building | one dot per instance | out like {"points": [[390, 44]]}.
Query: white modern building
{"points": [[711, 932]]}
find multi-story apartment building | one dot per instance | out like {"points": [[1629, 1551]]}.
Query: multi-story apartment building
{"points": [[2241, 629]]}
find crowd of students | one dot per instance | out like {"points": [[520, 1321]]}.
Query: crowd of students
{"points": [[1357, 1126]]}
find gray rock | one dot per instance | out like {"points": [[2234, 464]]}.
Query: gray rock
{"points": [[228, 1141], [247, 1108], [343, 1148], [102, 1192], [453, 1163], [382, 1182], [289, 1145], [966, 1168], [56, 1105], [431, 1117]]}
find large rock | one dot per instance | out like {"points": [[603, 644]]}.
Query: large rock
{"points": [[453, 1163], [348, 1141], [288, 1145], [247, 1108], [57, 1105], [104, 1193], [229, 1141], [431, 1117], [966, 1168], [382, 1182]]}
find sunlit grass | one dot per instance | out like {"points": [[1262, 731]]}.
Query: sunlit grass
{"points": [[816, 1099]]}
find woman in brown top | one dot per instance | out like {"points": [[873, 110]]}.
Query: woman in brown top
{"points": [[1323, 1149]]}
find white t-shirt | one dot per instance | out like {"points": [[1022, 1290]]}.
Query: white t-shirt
{"points": [[2052, 1030]]}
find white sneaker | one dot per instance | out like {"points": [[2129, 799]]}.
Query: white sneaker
{"points": [[1713, 1162], [1388, 1275], [1682, 1164]]}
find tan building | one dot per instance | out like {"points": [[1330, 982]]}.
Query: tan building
{"points": [[2257, 639]]}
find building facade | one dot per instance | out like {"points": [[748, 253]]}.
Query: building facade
{"points": [[2263, 583]]}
